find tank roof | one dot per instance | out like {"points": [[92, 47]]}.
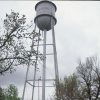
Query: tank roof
{"points": [[47, 2]]}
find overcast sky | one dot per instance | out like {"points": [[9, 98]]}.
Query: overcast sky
{"points": [[77, 34]]}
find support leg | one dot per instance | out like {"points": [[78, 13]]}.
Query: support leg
{"points": [[44, 66]]}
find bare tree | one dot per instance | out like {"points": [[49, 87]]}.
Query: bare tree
{"points": [[84, 84], [89, 77]]}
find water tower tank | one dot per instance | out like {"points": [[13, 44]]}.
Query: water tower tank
{"points": [[45, 11]]}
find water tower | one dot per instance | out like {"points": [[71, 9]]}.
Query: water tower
{"points": [[45, 21]]}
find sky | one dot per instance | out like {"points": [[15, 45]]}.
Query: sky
{"points": [[77, 35]]}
